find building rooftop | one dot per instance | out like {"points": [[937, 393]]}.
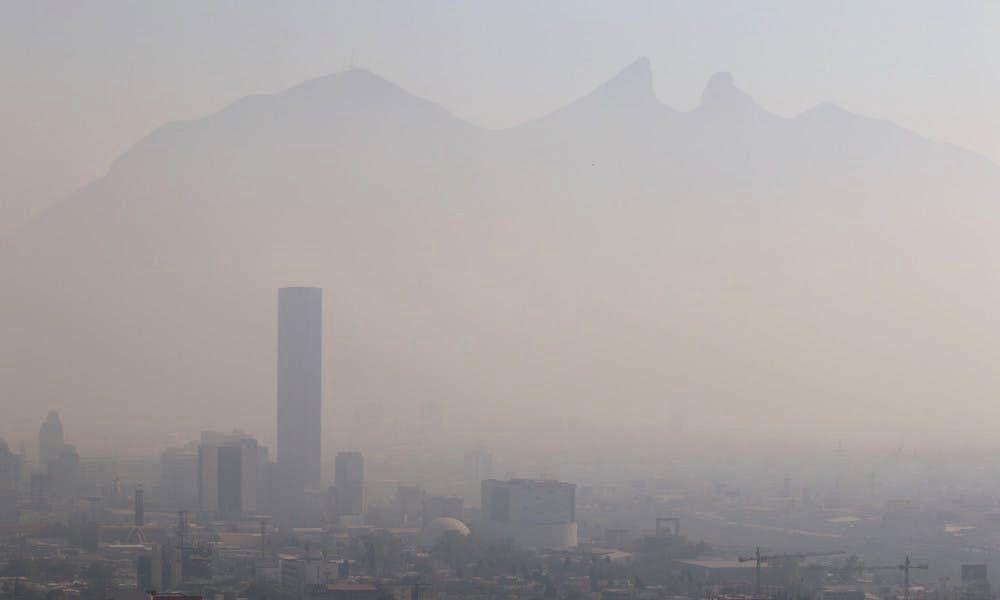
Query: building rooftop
{"points": [[717, 563]]}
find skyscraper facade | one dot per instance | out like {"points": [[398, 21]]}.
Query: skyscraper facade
{"points": [[300, 352], [50, 439], [349, 483]]}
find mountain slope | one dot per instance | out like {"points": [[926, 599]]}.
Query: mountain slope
{"points": [[616, 250]]}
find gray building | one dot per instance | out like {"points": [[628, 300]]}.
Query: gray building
{"points": [[227, 474], [534, 513], [349, 483], [50, 439], [10, 477], [300, 414], [179, 477], [64, 474]]}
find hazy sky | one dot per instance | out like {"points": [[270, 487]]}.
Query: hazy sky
{"points": [[82, 81]]}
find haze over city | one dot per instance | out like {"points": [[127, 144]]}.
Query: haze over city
{"points": [[635, 285], [571, 277]]}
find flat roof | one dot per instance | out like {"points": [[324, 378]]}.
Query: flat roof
{"points": [[358, 587], [718, 563]]}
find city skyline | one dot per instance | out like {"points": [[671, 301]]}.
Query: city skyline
{"points": [[499, 301]]}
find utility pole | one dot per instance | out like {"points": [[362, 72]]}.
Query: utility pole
{"points": [[758, 558], [905, 568]]}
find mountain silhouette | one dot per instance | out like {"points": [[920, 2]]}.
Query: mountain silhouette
{"points": [[613, 249]]}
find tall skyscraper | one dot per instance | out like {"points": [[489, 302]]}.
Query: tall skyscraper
{"points": [[300, 353], [50, 439]]}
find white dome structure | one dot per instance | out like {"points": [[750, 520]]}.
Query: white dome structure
{"points": [[432, 532]]}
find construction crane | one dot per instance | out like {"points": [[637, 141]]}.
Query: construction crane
{"points": [[759, 558], [906, 566]]}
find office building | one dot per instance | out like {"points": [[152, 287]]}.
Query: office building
{"points": [[478, 468], [98, 478], [265, 481], [227, 474], [64, 474], [50, 439], [10, 477], [39, 491], [179, 477], [534, 513], [299, 394], [349, 483]]}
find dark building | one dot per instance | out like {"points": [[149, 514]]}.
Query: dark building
{"points": [[976, 583], [300, 350], [64, 474], [10, 477], [144, 572], [40, 492], [230, 480], [227, 474], [50, 439]]}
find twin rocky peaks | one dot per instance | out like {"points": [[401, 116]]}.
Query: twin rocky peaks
{"points": [[632, 87]]}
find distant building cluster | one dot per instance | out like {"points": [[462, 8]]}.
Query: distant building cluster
{"points": [[224, 506]]}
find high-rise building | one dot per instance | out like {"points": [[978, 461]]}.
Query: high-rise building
{"points": [[535, 513], [349, 483], [50, 439], [179, 477], [300, 350], [10, 477], [478, 468], [227, 474], [97, 478], [265, 480], [64, 474], [39, 489]]}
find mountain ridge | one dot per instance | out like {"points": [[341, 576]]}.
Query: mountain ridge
{"points": [[632, 86], [614, 248]]}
